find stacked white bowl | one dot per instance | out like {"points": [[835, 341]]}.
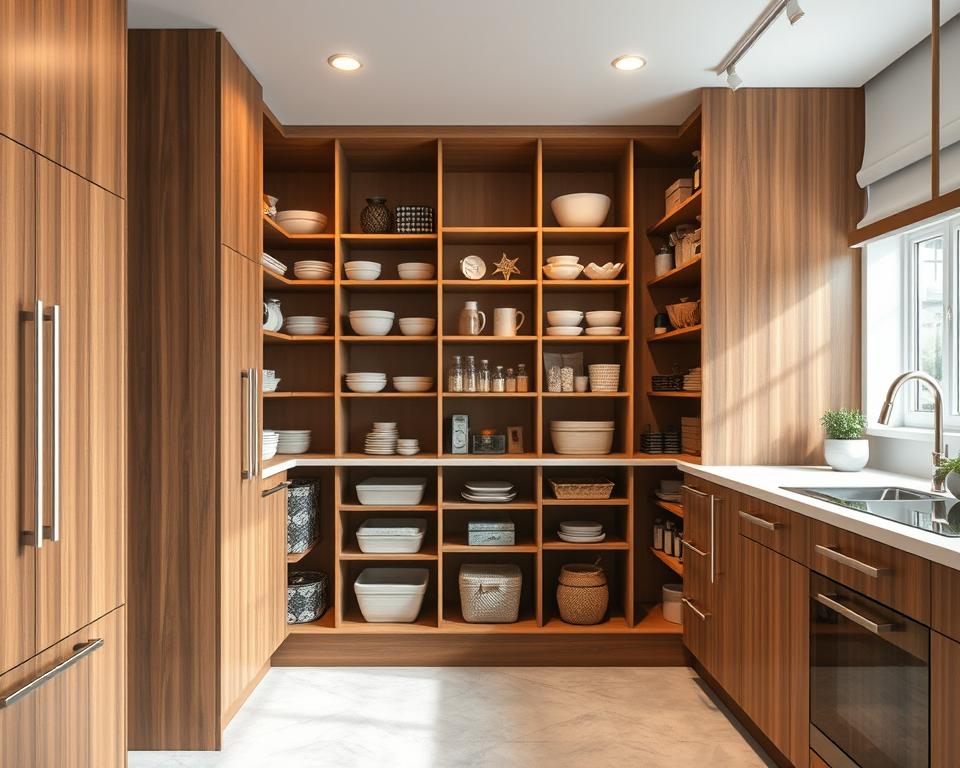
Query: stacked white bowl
{"points": [[313, 269], [581, 532], [564, 322], [382, 441], [415, 270], [306, 325], [564, 267], [417, 326], [413, 383], [270, 380], [366, 382], [603, 322], [268, 444], [408, 446], [371, 322], [582, 437], [302, 222], [292, 440], [362, 270]]}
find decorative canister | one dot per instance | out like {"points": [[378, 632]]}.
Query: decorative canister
{"points": [[375, 218], [303, 515], [582, 594], [306, 596]]}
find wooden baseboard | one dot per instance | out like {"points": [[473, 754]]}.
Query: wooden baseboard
{"points": [[234, 706], [513, 650]]}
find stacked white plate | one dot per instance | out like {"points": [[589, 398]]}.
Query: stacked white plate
{"points": [[382, 441], [302, 222], [415, 270], [268, 444], [366, 382], [413, 383], [489, 491], [270, 380], [362, 270], [306, 325], [292, 440], [581, 532], [310, 269], [371, 322], [274, 265], [408, 446]]}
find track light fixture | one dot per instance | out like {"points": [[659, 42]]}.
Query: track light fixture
{"points": [[794, 11], [734, 80]]}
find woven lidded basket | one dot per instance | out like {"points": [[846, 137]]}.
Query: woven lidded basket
{"points": [[306, 596], [303, 515], [490, 594], [604, 377], [582, 594], [577, 488], [684, 314]]}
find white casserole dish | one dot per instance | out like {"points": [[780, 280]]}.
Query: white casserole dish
{"points": [[391, 491], [391, 535], [391, 594]]}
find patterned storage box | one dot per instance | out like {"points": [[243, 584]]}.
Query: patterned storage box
{"points": [[303, 515], [414, 219], [490, 594], [307, 593]]}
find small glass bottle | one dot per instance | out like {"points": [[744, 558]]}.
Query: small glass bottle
{"points": [[658, 534], [470, 375], [455, 380], [677, 542], [697, 180], [499, 382], [668, 538], [523, 381], [483, 378], [511, 383]]}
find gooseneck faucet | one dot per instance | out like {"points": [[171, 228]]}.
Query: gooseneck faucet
{"points": [[934, 385]]}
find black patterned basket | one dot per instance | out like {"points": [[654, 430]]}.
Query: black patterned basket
{"points": [[671, 383], [303, 515], [413, 219], [307, 593]]}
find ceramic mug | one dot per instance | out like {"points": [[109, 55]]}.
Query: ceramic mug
{"points": [[580, 383], [506, 322]]}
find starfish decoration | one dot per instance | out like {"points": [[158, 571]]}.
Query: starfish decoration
{"points": [[506, 267]]}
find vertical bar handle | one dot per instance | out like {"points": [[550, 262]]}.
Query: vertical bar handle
{"points": [[255, 421], [713, 539], [35, 537], [246, 468], [52, 531]]}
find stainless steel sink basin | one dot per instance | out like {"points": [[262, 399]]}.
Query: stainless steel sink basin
{"points": [[839, 495]]}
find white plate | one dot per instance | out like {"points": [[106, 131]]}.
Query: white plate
{"points": [[604, 330], [488, 499], [581, 539], [581, 527], [499, 487]]}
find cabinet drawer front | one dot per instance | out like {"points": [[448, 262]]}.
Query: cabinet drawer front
{"points": [[890, 576], [945, 601], [777, 528]]}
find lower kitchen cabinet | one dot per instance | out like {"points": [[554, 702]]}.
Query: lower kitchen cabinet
{"points": [[944, 702], [774, 647]]}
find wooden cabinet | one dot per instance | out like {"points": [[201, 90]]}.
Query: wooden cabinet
{"points": [[945, 600], [777, 528], [944, 701], [774, 647], [272, 591], [18, 71]]}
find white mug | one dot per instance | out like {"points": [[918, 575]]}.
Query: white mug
{"points": [[505, 322]]}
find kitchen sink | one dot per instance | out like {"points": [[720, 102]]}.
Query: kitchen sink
{"points": [[882, 493]]}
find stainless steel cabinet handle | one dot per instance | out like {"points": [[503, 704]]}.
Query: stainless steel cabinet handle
{"points": [[255, 420], [276, 489], [838, 557], [693, 549], [693, 490], [689, 603], [713, 539], [80, 651], [35, 537], [831, 602], [246, 470], [759, 521], [52, 531]]}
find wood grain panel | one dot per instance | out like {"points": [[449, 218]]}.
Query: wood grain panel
{"points": [[18, 71], [816, 761], [18, 723], [781, 338], [81, 268], [174, 391], [273, 511], [82, 63], [17, 398], [791, 529], [241, 155], [944, 701], [945, 600]]}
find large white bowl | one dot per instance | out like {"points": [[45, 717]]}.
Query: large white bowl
{"points": [[562, 271], [603, 317], [417, 326], [371, 326], [594, 442], [581, 209], [415, 270], [302, 222], [571, 317], [568, 426], [563, 260], [562, 330], [365, 386], [364, 376]]}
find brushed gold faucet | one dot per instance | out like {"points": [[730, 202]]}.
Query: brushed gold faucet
{"points": [[938, 454]]}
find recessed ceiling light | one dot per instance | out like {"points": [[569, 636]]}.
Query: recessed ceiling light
{"points": [[344, 62], [628, 63]]}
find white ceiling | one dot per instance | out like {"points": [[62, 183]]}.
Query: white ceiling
{"points": [[534, 62]]}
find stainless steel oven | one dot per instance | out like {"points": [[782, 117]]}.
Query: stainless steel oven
{"points": [[869, 681]]}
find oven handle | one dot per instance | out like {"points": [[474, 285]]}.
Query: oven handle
{"points": [[833, 604]]}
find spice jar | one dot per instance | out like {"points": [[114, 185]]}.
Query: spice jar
{"points": [[523, 381], [455, 379], [499, 383], [658, 534], [470, 375], [511, 381], [483, 378]]}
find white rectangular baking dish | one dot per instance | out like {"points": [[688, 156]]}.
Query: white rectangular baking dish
{"points": [[391, 535], [391, 491], [391, 594]]}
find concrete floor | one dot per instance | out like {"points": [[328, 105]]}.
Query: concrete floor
{"points": [[476, 718]]}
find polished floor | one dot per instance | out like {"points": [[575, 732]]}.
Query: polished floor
{"points": [[476, 718]]}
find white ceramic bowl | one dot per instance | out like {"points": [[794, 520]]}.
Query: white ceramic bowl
{"points": [[581, 209], [563, 271], [301, 214], [371, 326], [606, 272], [362, 270], [415, 270], [382, 313], [371, 376], [567, 426], [412, 386], [302, 222], [365, 386], [417, 326], [603, 317], [563, 260], [562, 330], [604, 330], [558, 317]]}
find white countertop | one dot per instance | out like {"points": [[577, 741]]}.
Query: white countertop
{"points": [[766, 483]]}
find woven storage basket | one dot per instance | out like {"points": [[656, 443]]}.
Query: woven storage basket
{"points": [[582, 488], [604, 377], [490, 594], [306, 596], [684, 314], [582, 594], [303, 515]]}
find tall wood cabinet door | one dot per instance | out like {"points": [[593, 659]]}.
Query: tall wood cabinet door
{"points": [[18, 68], [19, 732], [241, 139], [18, 447], [944, 702], [81, 272], [774, 647], [82, 94]]}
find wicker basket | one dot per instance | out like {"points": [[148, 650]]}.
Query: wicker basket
{"points": [[303, 515], [684, 314], [490, 594], [604, 377], [582, 488], [306, 596], [582, 594]]}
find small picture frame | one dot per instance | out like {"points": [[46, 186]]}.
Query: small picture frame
{"points": [[514, 439]]}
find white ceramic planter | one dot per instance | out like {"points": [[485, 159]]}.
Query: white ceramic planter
{"points": [[846, 455], [953, 484]]}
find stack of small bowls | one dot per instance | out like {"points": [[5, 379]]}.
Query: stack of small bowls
{"points": [[269, 443], [306, 325], [371, 322], [413, 383], [415, 270], [362, 270], [292, 440], [563, 267], [366, 382], [270, 380], [312, 269], [603, 323], [302, 222], [564, 322], [408, 446], [417, 326]]}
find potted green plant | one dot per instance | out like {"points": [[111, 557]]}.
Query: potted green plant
{"points": [[948, 470], [845, 448]]}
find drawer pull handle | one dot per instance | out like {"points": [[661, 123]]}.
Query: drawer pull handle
{"points": [[831, 602], [693, 490], [831, 553], [80, 651], [759, 521], [276, 489], [693, 549], [689, 603]]}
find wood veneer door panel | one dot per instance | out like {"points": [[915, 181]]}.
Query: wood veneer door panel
{"points": [[18, 69], [18, 722], [17, 399], [81, 268], [945, 600], [944, 702], [82, 87], [273, 516]]}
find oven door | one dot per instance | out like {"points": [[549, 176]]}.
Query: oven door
{"points": [[869, 681]]}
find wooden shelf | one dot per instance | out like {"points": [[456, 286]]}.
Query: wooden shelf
{"points": [[388, 240], [670, 561], [458, 544], [274, 283], [496, 395], [688, 274], [592, 456], [298, 556], [687, 395], [303, 395], [275, 236], [584, 235], [391, 339], [393, 285], [487, 286], [586, 284], [687, 457], [607, 544], [471, 505], [489, 339], [585, 394], [389, 394], [374, 508], [673, 507], [280, 458], [483, 456], [454, 623], [275, 337], [685, 213], [691, 334], [489, 235], [353, 552], [611, 502], [324, 624], [584, 339]]}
